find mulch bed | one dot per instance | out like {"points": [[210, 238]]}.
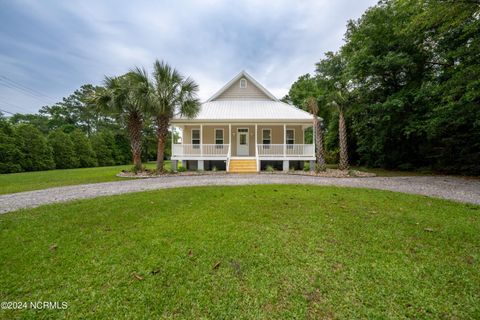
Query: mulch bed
{"points": [[329, 173]]}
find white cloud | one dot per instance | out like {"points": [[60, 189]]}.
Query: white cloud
{"points": [[211, 41]]}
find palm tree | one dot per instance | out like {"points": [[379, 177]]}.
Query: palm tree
{"points": [[339, 102], [312, 106], [127, 97], [172, 95]]}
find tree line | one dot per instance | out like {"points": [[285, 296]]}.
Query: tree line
{"points": [[126, 120], [403, 91]]}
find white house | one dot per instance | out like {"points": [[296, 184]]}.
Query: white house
{"points": [[243, 128]]}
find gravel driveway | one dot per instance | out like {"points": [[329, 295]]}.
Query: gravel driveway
{"points": [[453, 188]]}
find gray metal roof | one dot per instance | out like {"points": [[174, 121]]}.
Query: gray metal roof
{"points": [[248, 110]]}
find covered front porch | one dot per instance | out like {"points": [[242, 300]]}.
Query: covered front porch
{"points": [[229, 141]]}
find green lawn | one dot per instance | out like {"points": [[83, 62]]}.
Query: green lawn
{"points": [[245, 252], [26, 181]]}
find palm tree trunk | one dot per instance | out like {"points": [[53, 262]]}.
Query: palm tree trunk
{"points": [[162, 133], [342, 136], [135, 131], [320, 153]]}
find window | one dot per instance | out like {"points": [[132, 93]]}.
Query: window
{"points": [[196, 138], [243, 83], [290, 137], [266, 136], [242, 136], [219, 138]]}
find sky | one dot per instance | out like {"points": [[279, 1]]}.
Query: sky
{"points": [[50, 48]]}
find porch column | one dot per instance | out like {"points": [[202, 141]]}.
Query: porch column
{"points": [[286, 165], [201, 142], [312, 165], [173, 142], [284, 142], [200, 166], [256, 147], [314, 134], [174, 165]]}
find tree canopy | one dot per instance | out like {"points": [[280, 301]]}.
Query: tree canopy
{"points": [[408, 79]]}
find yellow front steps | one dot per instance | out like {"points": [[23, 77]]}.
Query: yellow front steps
{"points": [[243, 166]]}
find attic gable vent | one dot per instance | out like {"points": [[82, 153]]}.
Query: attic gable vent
{"points": [[243, 83]]}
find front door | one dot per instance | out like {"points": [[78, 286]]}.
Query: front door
{"points": [[242, 142]]}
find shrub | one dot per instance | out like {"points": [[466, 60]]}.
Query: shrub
{"points": [[181, 169], [121, 150], [306, 166], [102, 150], [9, 151], [269, 168], [63, 150], [332, 156], [36, 153], [83, 149]]}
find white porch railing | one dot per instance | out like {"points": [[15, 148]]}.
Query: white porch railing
{"points": [[263, 150], [288, 150], [207, 150]]}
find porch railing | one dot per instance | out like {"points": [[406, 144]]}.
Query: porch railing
{"points": [[263, 150], [207, 150], [289, 150]]}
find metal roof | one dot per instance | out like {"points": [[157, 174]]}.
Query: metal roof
{"points": [[247, 110], [238, 110]]}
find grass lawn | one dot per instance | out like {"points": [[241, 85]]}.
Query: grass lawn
{"points": [[26, 181], [245, 252]]}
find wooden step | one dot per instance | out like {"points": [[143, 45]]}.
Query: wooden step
{"points": [[243, 166]]}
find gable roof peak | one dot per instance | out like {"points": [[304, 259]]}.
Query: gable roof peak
{"points": [[243, 74]]}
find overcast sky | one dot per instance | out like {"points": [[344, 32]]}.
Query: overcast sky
{"points": [[50, 48]]}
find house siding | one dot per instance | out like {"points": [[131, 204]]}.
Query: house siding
{"points": [[234, 92], [277, 133], [208, 135]]}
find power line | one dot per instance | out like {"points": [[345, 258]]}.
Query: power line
{"points": [[2, 101], [6, 112], [25, 92], [26, 87]]}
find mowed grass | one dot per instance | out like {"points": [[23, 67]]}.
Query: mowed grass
{"points": [[251, 252], [27, 181]]}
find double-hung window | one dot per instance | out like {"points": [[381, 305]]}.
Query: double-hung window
{"points": [[219, 138], [196, 138], [290, 138], [266, 138]]}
